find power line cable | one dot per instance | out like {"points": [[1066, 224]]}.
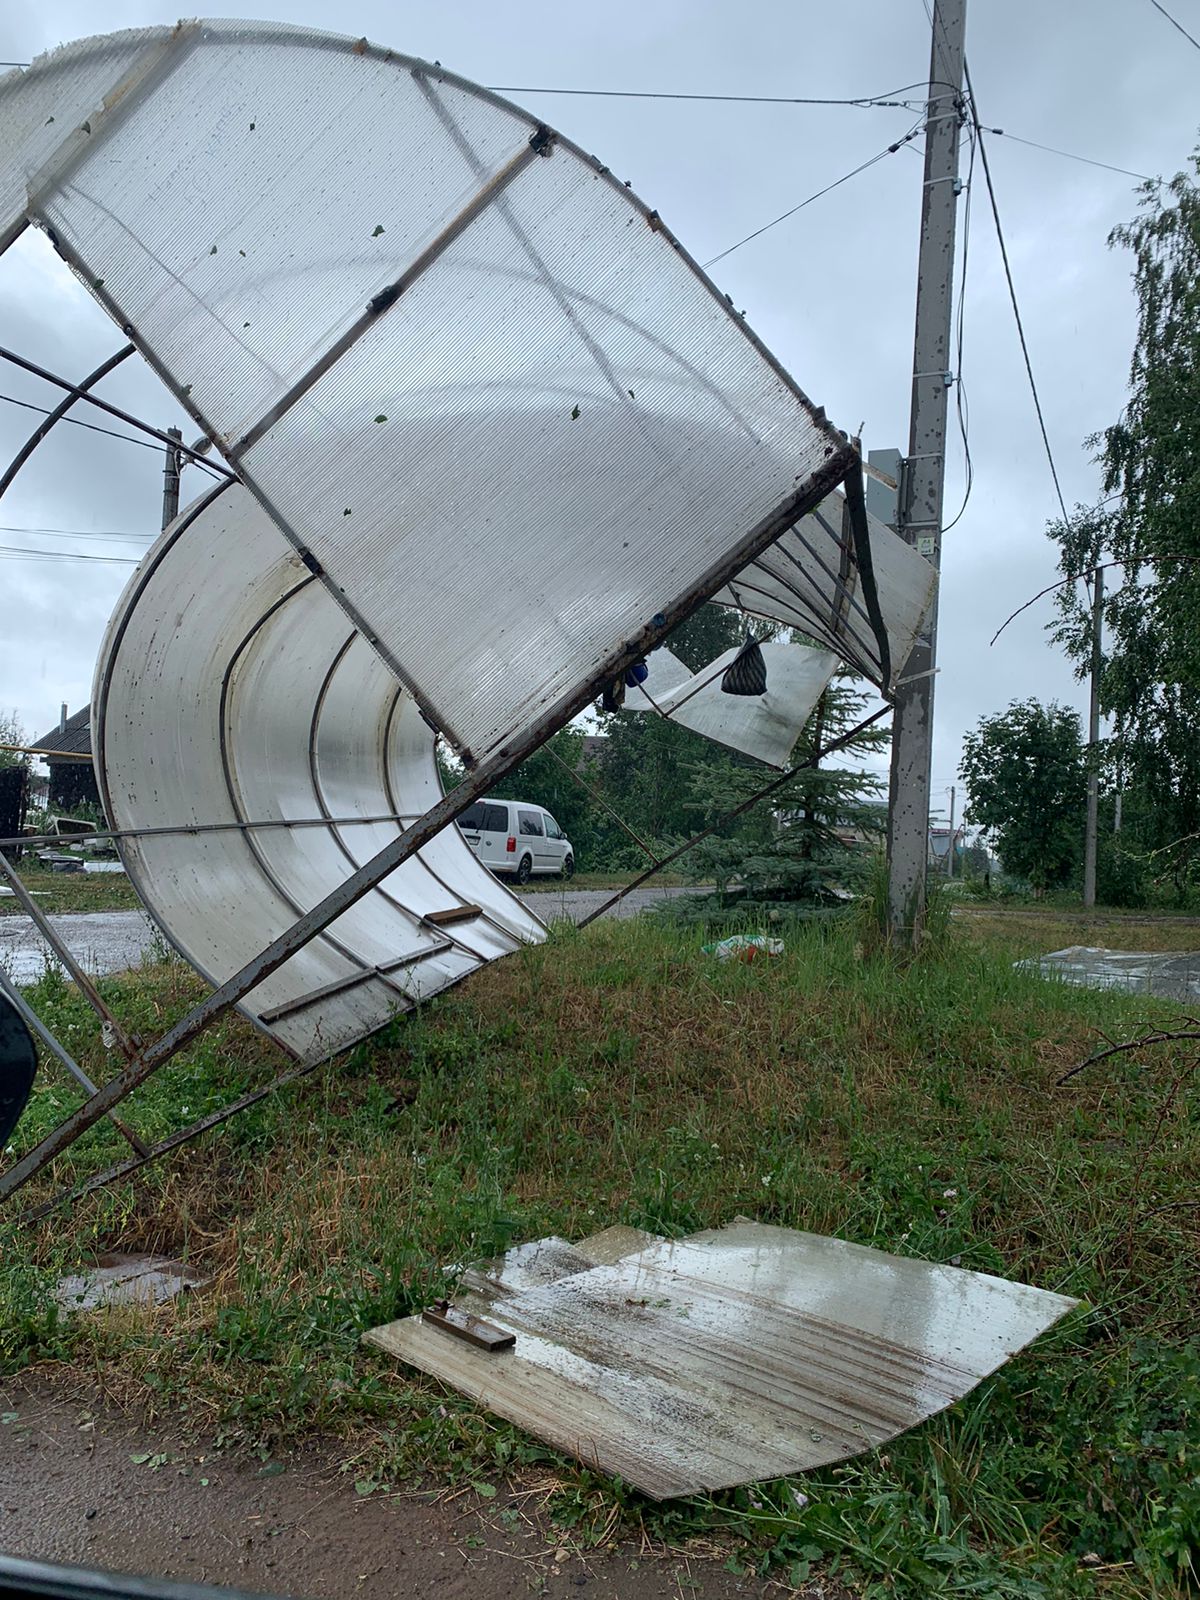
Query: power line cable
{"points": [[837, 183], [11, 552], [1175, 24], [1012, 291], [864, 101], [93, 427], [164, 439], [1070, 155], [962, 405], [81, 533]]}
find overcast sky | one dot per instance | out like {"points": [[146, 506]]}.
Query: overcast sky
{"points": [[831, 290]]}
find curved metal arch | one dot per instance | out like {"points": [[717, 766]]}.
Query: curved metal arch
{"points": [[79, 392]]}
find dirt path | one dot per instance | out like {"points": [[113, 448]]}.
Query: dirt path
{"points": [[82, 1485]]}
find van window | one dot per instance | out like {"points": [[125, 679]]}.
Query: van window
{"points": [[472, 817], [553, 831], [495, 819], [530, 822]]}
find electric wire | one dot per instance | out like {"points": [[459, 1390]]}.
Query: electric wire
{"points": [[836, 184], [1070, 155], [82, 533], [129, 438], [90, 399], [1174, 24], [1012, 290], [962, 405], [864, 101], [10, 552]]}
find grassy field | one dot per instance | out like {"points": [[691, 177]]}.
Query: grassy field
{"points": [[73, 891], [619, 1075]]}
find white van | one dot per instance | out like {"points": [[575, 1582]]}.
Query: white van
{"points": [[514, 837]]}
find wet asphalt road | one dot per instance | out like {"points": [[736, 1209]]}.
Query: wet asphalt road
{"points": [[113, 941]]}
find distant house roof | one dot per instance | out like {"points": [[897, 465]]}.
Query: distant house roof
{"points": [[73, 740]]}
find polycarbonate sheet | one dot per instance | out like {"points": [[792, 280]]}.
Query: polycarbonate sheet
{"points": [[733, 1356], [808, 579], [531, 572], [231, 689], [323, 174], [580, 436], [42, 106], [764, 726]]}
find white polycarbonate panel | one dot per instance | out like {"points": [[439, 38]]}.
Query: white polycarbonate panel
{"points": [[736, 1355], [765, 726], [807, 579], [318, 145], [543, 374], [44, 105], [231, 689]]}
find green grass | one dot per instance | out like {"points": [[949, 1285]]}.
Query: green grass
{"points": [[72, 891], [619, 1075]]}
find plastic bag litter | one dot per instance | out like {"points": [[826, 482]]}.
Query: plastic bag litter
{"points": [[744, 947], [746, 674]]}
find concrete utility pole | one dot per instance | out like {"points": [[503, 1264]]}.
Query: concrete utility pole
{"points": [[170, 505], [1093, 789], [950, 858], [921, 500]]}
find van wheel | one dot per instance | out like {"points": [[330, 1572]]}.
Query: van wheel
{"points": [[568, 867], [525, 870]]}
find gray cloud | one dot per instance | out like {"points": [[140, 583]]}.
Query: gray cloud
{"points": [[831, 291]]}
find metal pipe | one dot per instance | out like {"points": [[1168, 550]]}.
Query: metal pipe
{"points": [[176, 829], [19, 1004], [60, 411], [539, 144], [761, 794], [77, 392], [85, 985], [147, 1153], [1092, 824]]}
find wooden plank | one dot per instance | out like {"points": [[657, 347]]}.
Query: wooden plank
{"points": [[443, 919]]}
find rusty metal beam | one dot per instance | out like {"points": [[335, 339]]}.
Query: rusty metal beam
{"points": [[60, 411], [760, 794], [111, 1025], [17, 1000]]}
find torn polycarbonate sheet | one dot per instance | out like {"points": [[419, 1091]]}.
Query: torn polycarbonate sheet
{"points": [[1170, 975], [231, 688], [396, 278], [744, 1353], [764, 726], [124, 1280], [807, 579]]}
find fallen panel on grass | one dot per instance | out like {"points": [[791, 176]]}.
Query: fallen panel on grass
{"points": [[734, 1355], [123, 1280], [1173, 975]]}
